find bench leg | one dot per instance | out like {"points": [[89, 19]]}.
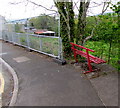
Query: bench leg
{"points": [[90, 68], [89, 65], [75, 56]]}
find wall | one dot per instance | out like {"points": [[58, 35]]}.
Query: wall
{"points": [[2, 25]]}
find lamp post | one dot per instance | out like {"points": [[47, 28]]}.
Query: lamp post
{"points": [[59, 25], [58, 18], [60, 54], [27, 34]]}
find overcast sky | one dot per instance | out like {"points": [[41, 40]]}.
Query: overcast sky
{"points": [[24, 10]]}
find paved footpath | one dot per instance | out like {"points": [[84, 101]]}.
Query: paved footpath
{"points": [[6, 85], [43, 82]]}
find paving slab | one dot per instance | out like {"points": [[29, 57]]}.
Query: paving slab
{"points": [[107, 87], [106, 84]]}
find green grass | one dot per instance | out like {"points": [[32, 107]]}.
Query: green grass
{"points": [[102, 51], [49, 45]]}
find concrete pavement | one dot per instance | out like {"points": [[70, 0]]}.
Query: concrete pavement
{"points": [[107, 84], [45, 83]]}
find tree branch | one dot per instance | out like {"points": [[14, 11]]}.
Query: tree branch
{"points": [[29, 1], [92, 32], [41, 6], [105, 8], [67, 22], [15, 3], [75, 5]]}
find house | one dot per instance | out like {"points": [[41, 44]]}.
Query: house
{"points": [[19, 25], [44, 32]]}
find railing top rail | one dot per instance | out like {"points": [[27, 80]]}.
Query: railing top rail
{"points": [[42, 36], [82, 47]]}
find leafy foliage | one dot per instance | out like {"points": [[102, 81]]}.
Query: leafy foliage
{"points": [[107, 28], [19, 28], [67, 23], [68, 26], [102, 50], [106, 37], [44, 22]]}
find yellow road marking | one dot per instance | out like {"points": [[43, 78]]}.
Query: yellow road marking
{"points": [[2, 82]]}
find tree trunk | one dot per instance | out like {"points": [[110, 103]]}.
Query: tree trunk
{"points": [[66, 12], [110, 47], [81, 22]]}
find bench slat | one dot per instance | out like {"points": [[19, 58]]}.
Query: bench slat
{"points": [[92, 58], [82, 47]]}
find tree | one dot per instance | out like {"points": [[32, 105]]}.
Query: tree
{"points": [[68, 27], [116, 9], [97, 20], [107, 30], [17, 27], [68, 34], [44, 22], [67, 23], [82, 21]]}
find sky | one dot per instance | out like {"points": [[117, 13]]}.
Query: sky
{"points": [[26, 10]]}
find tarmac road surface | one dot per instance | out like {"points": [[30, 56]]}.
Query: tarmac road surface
{"points": [[43, 82]]}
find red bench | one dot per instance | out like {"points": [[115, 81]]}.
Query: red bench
{"points": [[86, 54]]}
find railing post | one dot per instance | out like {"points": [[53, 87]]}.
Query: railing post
{"points": [[40, 43], [28, 41], [60, 54], [88, 59], [17, 41], [18, 38], [12, 38], [75, 55], [8, 37]]}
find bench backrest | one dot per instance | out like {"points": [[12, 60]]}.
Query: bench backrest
{"points": [[87, 49]]}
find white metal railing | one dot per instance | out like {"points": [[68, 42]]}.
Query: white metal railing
{"points": [[49, 45]]}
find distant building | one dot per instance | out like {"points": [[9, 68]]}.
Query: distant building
{"points": [[2, 25], [19, 21], [21, 25], [29, 29], [44, 32], [18, 25]]}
